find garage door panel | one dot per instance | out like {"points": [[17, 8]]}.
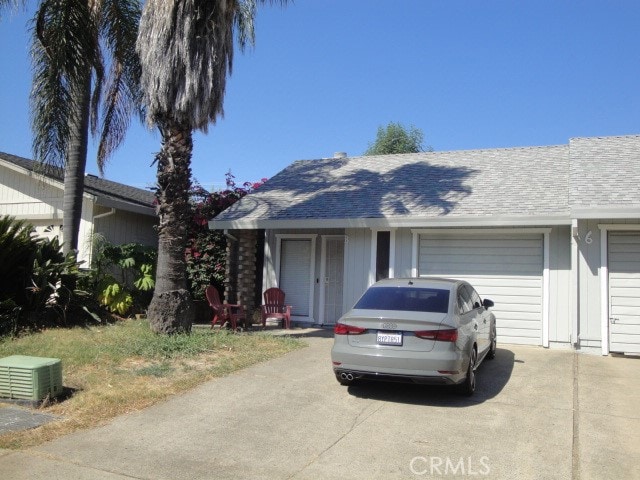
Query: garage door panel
{"points": [[629, 311], [624, 280], [488, 241], [627, 328], [517, 252], [523, 281], [515, 324], [624, 291], [508, 270], [518, 308], [462, 268], [627, 301], [628, 345], [518, 338], [523, 293], [480, 263]]}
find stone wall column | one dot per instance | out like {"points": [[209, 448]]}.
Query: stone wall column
{"points": [[246, 278], [240, 271], [231, 272]]}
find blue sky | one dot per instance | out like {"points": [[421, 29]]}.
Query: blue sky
{"points": [[326, 73]]}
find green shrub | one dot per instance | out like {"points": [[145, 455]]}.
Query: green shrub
{"points": [[38, 282], [122, 278]]}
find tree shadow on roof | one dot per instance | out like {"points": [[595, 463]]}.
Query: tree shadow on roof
{"points": [[360, 188]]}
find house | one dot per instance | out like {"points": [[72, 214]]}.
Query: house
{"points": [[551, 234], [120, 213]]}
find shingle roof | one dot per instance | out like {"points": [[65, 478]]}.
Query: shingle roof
{"points": [[92, 184], [496, 183], [605, 172]]}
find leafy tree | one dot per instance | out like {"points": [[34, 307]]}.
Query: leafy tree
{"points": [[396, 138], [122, 276], [186, 51], [85, 78], [206, 249]]}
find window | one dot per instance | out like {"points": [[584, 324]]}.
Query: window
{"points": [[464, 300], [382, 255], [475, 298], [406, 299]]}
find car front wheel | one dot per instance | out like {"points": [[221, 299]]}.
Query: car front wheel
{"points": [[469, 385]]}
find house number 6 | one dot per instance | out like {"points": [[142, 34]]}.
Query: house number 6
{"points": [[588, 239]]}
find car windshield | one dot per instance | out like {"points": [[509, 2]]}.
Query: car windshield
{"points": [[405, 298]]}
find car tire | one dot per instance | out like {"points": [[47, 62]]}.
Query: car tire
{"points": [[494, 345], [468, 386]]}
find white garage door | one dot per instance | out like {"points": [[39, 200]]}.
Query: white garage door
{"points": [[505, 268], [624, 292]]}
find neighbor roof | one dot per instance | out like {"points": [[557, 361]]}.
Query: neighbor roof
{"points": [[605, 176], [498, 185], [107, 193]]}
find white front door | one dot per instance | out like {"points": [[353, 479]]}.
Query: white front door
{"points": [[624, 292], [332, 279], [296, 276]]}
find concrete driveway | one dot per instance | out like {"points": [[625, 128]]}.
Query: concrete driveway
{"points": [[536, 414]]}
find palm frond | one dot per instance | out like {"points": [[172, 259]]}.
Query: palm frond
{"points": [[186, 52], [122, 97], [12, 4], [185, 49], [64, 52]]}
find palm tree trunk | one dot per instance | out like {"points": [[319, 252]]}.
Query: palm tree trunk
{"points": [[74, 168], [171, 309]]}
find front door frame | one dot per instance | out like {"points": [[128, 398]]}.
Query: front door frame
{"points": [[323, 273], [302, 236]]}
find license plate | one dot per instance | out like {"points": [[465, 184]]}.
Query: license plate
{"points": [[389, 338]]}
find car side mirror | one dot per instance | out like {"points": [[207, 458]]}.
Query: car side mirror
{"points": [[486, 303]]}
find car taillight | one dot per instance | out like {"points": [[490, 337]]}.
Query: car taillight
{"points": [[343, 329], [449, 335]]}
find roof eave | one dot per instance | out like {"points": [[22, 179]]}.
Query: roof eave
{"points": [[41, 177], [596, 212], [402, 222], [110, 202]]}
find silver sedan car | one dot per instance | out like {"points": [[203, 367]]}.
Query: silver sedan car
{"points": [[421, 330]]}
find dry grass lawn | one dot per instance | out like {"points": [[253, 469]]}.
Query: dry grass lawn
{"points": [[114, 369]]}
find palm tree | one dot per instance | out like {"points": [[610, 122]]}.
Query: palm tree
{"points": [[76, 89], [186, 52]]}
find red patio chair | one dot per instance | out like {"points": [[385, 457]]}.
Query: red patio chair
{"points": [[223, 312], [274, 307]]}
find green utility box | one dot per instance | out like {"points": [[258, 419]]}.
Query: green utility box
{"points": [[30, 378]]}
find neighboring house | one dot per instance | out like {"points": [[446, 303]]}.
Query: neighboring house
{"points": [[120, 213], [551, 234]]}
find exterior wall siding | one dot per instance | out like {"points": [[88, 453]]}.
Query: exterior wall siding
{"points": [[357, 264], [32, 198], [589, 322], [560, 285], [404, 253], [28, 197]]}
